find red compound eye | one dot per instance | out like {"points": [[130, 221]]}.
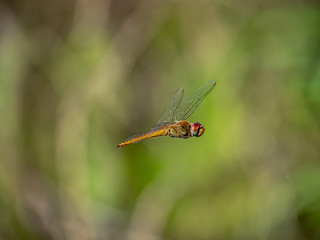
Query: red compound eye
{"points": [[197, 129], [196, 126]]}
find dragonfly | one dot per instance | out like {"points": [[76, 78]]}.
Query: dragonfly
{"points": [[173, 121]]}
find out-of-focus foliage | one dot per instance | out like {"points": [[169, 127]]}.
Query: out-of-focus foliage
{"points": [[78, 77]]}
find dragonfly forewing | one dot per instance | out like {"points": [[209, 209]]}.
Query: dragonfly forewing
{"points": [[188, 106], [170, 112]]}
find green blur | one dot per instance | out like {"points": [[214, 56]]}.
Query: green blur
{"points": [[78, 77]]}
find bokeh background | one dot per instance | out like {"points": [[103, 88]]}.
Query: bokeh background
{"points": [[77, 77]]}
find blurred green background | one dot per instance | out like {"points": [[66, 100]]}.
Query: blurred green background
{"points": [[78, 77]]}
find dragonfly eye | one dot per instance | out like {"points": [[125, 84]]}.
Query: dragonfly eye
{"points": [[197, 129]]}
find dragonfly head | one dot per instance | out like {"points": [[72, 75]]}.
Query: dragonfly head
{"points": [[197, 129]]}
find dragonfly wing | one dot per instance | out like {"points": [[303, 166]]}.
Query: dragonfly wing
{"points": [[168, 115], [189, 105], [159, 125]]}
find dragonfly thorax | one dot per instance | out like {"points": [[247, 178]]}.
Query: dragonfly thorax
{"points": [[197, 129]]}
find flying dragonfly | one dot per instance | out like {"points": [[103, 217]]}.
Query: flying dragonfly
{"points": [[173, 121]]}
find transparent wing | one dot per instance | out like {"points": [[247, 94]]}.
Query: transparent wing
{"points": [[168, 115], [189, 105]]}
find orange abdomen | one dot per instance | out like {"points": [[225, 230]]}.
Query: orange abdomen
{"points": [[141, 136]]}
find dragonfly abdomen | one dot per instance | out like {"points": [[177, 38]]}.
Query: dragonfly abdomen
{"points": [[141, 136]]}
